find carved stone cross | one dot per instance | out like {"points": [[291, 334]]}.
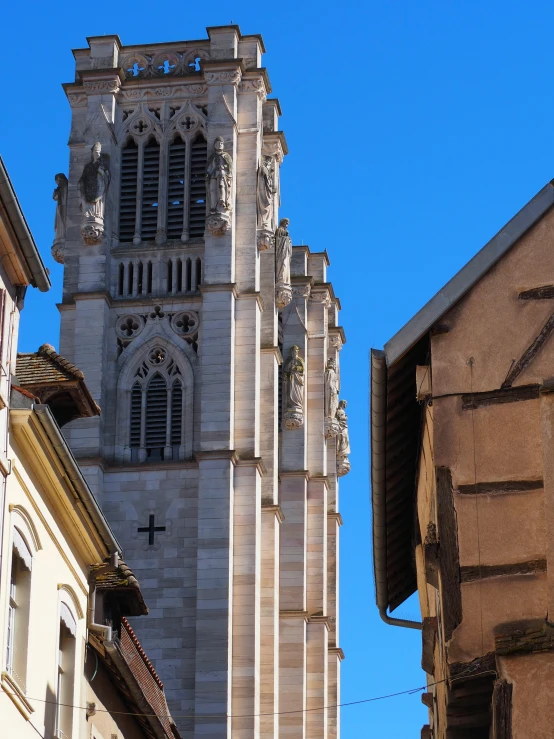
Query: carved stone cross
{"points": [[150, 529]]}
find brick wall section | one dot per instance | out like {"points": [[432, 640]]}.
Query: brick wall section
{"points": [[145, 675]]}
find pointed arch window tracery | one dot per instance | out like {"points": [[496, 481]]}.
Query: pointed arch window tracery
{"points": [[163, 164], [157, 410]]}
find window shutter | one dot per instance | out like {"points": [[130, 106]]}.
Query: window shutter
{"points": [[150, 190], [197, 209], [176, 412], [176, 189], [136, 400], [156, 413], [128, 197]]}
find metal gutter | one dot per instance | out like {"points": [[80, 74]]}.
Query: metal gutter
{"points": [[378, 392], [10, 205], [80, 485], [471, 273]]}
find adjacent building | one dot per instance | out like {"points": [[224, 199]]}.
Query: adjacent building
{"points": [[462, 425], [71, 666], [212, 347]]}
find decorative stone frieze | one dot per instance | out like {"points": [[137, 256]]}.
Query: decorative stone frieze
{"points": [[101, 86], [164, 63], [223, 77], [256, 85]]}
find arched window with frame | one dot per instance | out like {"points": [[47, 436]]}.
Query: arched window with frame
{"points": [[163, 186], [157, 410], [65, 685], [17, 635]]}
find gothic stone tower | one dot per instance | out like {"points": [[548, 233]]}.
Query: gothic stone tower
{"points": [[170, 307]]}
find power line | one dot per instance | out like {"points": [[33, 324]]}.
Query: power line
{"points": [[411, 691]]}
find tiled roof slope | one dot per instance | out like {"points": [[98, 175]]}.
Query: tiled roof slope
{"points": [[147, 678], [121, 581], [45, 366], [56, 382]]}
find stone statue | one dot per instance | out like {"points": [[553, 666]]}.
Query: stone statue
{"points": [[331, 399], [293, 379], [60, 196], [93, 188], [283, 254], [265, 197], [219, 184], [343, 440]]}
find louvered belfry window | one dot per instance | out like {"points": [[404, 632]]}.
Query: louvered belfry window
{"points": [[177, 208], [157, 413]]}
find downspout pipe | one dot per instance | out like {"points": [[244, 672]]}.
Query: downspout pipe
{"points": [[378, 421]]}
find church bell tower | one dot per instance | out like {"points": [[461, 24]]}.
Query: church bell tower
{"points": [[211, 345]]}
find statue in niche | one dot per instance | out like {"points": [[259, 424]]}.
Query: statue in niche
{"points": [[60, 196], [343, 440], [93, 188], [219, 185], [293, 379], [283, 254], [331, 399], [265, 196]]}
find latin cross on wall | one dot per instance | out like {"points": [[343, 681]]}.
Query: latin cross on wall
{"points": [[151, 529]]}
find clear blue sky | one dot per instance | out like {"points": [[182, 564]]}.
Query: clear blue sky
{"points": [[416, 130]]}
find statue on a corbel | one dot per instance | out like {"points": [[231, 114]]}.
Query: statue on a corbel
{"points": [[331, 399], [219, 188], [343, 440], [93, 189], [60, 222], [283, 255], [265, 200], [293, 380]]}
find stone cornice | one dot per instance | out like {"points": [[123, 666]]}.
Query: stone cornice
{"points": [[338, 651], [223, 71], [252, 462], [336, 333], [273, 350], [335, 516], [294, 614], [252, 296], [102, 81], [320, 620], [220, 287], [295, 473], [275, 509], [229, 454], [94, 295], [319, 478]]}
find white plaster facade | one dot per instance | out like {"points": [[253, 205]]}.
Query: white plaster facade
{"points": [[242, 584]]}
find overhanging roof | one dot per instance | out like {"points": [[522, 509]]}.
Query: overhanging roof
{"points": [[396, 414], [471, 273], [28, 252]]}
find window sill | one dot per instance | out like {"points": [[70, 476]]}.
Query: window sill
{"points": [[17, 695]]}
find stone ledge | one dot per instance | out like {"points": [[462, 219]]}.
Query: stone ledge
{"points": [[17, 695]]}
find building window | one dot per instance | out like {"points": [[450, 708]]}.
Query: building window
{"points": [[157, 410], [163, 189], [18, 610], [66, 674]]}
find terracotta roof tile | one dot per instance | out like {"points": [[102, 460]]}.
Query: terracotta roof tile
{"points": [[45, 366]]}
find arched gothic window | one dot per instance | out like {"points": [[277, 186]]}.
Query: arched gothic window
{"points": [[163, 188], [156, 428]]}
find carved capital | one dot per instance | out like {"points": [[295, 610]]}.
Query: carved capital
{"points": [[301, 291], [343, 466], [223, 77], [218, 223], [256, 86], [77, 100], [266, 239], [320, 295], [283, 295]]}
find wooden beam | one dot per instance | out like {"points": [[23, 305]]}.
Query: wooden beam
{"points": [[428, 640], [471, 573], [449, 558], [502, 710], [500, 486], [472, 401], [538, 293], [530, 353]]}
